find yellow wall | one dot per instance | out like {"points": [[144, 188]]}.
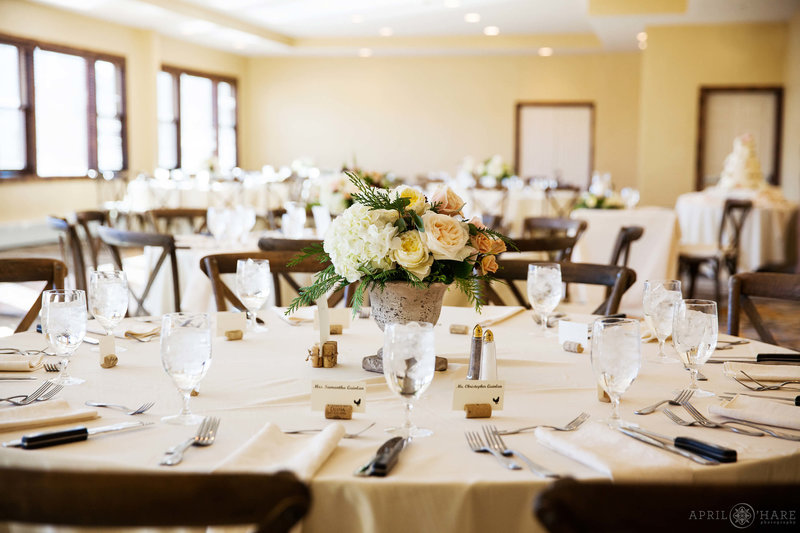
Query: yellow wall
{"points": [[677, 62], [791, 121], [415, 114], [144, 52]]}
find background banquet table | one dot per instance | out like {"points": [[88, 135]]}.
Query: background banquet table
{"points": [[438, 484], [653, 256]]}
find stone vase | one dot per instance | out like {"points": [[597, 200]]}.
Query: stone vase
{"points": [[401, 302]]}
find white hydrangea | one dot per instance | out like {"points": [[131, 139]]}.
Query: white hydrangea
{"points": [[361, 237]]}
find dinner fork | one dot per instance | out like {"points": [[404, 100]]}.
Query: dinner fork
{"points": [[46, 396], [31, 397], [128, 411], [51, 367], [496, 441], [345, 436], [761, 386], [476, 444], [697, 415], [205, 436], [572, 425], [682, 396]]}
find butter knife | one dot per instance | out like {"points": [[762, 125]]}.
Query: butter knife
{"points": [[384, 460], [54, 438], [668, 447]]}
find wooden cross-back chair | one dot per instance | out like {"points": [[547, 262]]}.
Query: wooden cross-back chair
{"points": [[89, 220], [71, 250], [214, 266], [538, 227], [166, 220], [622, 248], [116, 239], [562, 199], [617, 278], [741, 287], [273, 502], [51, 271], [724, 254]]}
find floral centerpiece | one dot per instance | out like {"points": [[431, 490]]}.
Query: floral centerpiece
{"points": [[589, 200], [399, 235], [493, 168]]}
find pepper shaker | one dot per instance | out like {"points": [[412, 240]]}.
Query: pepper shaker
{"points": [[475, 353]]}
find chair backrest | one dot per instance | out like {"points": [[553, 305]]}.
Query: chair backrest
{"points": [[166, 220], [89, 220], [622, 248], [70, 245], [555, 227], [117, 238], [271, 244], [274, 502], [215, 265], [51, 271], [571, 506], [759, 284], [562, 199], [618, 278], [734, 215]]}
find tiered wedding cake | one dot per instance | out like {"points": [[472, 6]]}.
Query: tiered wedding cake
{"points": [[742, 168]]}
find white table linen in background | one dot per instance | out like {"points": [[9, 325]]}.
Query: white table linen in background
{"points": [[438, 483], [653, 256]]}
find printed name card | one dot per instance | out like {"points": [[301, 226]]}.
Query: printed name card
{"points": [[230, 321], [573, 332], [336, 315], [339, 393], [107, 345], [470, 391]]}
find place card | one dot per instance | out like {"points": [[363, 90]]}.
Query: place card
{"points": [[108, 351], [230, 321], [336, 315], [470, 391], [573, 332], [339, 393]]}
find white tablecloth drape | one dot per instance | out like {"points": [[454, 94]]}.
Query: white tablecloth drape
{"points": [[438, 483]]}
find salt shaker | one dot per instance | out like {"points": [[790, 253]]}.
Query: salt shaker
{"points": [[488, 358], [474, 371]]}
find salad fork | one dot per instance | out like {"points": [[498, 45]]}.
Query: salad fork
{"points": [[705, 422], [205, 436], [570, 426], [38, 393], [128, 411], [496, 441], [476, 444], [763, 387], [682, 396]]}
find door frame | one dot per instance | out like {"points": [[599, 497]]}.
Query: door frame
{"points": [[577, 103], [708, 90]]}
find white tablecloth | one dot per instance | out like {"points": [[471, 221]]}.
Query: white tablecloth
{"points": [[438, 483], [653, 256], [764, 235]]}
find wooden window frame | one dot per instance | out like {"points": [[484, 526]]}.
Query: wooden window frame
{"points": [[176, 102], [26, 48]]}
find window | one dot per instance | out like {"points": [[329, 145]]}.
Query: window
{"points": [[196, 121], [62, 111]]}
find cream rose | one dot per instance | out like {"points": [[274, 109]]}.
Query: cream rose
{"points": [[410, 252], [488, 264], [446, 237], [449, 202], [417, 199]]}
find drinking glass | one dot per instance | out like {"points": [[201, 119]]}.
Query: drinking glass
{"points": [[108, 298], [658, 303], [253, 284], [544, 289], [64, 324], [694, 335], [185, 356], [408, 364], [616, 358]]}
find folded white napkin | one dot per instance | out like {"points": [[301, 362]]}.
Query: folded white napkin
{"points": [[19, 363], [761, 372], [502, 316], [759, 410], [39, 414], [270, 450], [615, 454]]}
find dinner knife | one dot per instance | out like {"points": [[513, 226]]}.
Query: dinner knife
{"points": [[16, 379], [699, 447], [668, 447], [384, 460], [789, 358], [796, 399], [54, 438]]}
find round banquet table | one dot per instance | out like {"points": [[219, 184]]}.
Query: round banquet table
{"points": [[438, 483]]}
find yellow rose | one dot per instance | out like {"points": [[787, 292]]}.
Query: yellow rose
{"points": [[417, 199], [449, 202], [410, 252], [446, 237], [488, 264]]}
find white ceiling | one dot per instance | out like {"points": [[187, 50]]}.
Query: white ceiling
{"points": [[344, 27]]}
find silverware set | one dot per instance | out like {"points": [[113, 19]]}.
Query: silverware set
{"points": [[45, 392], [729, 424], [205, 436]]}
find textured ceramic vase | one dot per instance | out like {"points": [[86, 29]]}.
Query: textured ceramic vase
{"points": [[400, 302]]}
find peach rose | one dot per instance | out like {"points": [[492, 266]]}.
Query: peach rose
{"points": [[497, 246], [477, 222], [446, 237], [488, 264], [449, 202], [481, 242]]}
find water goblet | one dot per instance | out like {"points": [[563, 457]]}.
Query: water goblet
{"points": [[253, 284], [544, 289], [616, 358], [695, 328], [658, 303], [408, 365], [185, 356], [64, 324], [108, 298]]}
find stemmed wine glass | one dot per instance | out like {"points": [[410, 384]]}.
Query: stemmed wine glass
{"points": [[616, 358], [408, 365], [694, 334], [658, 303], [64, 324], [186, 356], [253, 284], [108, 298], [544, 289]]}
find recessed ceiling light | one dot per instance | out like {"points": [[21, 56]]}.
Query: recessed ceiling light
{"points": [[491, 30], [385, 32], [357, 19], [472, 17], [641, 36], [545, 51], [452, 3], [365, 52], [642, 45]]}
